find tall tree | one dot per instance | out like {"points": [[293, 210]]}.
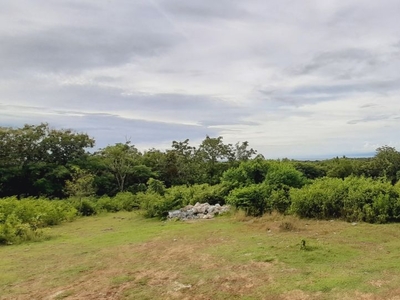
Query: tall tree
{"points": [[214, 154], [34, 159], [387, 163], [121, 160], [242, 151]]}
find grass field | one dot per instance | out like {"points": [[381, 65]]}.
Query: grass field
{"points": [[124, 256]]}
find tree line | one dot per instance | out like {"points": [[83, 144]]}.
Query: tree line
{"points": [[37, 160]]}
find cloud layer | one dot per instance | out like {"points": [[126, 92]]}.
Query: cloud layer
{"points": [[295, 79]]}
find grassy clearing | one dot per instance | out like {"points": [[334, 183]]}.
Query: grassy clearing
{"points": [[124, 256]]}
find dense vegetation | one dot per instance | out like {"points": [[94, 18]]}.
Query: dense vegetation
{"points": [[38, 163]]}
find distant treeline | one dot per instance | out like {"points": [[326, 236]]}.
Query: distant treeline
{"points": [[40, 161]]}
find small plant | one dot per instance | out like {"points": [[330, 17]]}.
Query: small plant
{"points": [[286, 226], [303, 245]]}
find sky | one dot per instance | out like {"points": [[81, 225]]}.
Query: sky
{"points": [[296, 79]]}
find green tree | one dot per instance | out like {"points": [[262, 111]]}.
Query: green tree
{"points": [[340, 168], [156, 186], [311, 170], [242, 153], [216, 157], [247, 173], [387, 163], [34, 159], [121, 159], [81, 183], [181, 165]]}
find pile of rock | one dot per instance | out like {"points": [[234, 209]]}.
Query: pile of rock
{"points": [[198, 211]]}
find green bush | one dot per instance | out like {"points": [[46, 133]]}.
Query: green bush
{"points": [[85, 206], [127, 201], [155, 205], [352, 199], [156, 186], [280, 199], [253, 199], [108, 204], [21, 219], [261, 186], [121, 201], [247, 173], [322, 199], [284, 174]]}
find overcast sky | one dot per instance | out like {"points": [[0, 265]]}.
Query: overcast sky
{"points": [[296, 79]]}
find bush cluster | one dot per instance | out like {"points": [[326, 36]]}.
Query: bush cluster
{"points": [[261, 186], [351, 199], [87, 206], [21, 219]]}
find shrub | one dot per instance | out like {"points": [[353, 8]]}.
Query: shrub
{"points": [[121, 201], [127, 201], [156, 186], [322, 199], [21, 219], [253, 199], [284, 174], [247, 173], [85, 206], [155, 205], [352, 199], [108, 204], [205, 193]]}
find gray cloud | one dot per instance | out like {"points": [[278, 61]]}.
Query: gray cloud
{"points": [[74, 48], [206, 10], [346, 63], [286, 76], [94, 36], [370, 119], [110, 129]]}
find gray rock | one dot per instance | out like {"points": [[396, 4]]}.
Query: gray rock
{"points": [[174, 214], [198, 211]]}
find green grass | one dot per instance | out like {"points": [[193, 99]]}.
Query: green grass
{"points": [[124, 256]]}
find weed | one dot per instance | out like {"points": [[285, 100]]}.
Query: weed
{"points": [[303, 245], [287, 226]]}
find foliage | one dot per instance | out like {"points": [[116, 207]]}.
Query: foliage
{"points": [[120, 160], [253, 199], [81, 183], [284, 174], [260, 186], [21, 219], [341, 168], [247, 173], [156, 186], [85, 206], [34, 159], [155, 205], [352, 199], [311, 170], [122, 201], [387, 163]]}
